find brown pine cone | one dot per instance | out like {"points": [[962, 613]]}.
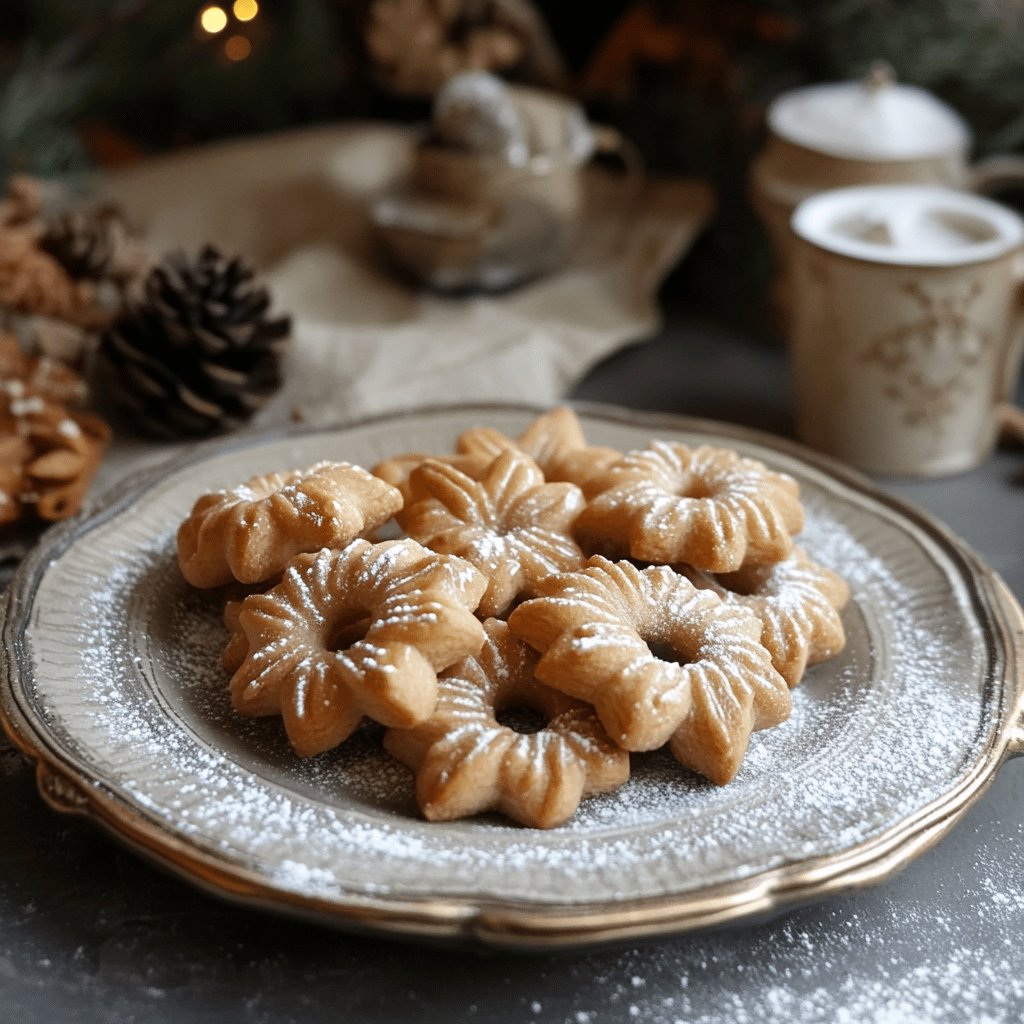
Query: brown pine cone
{"points": [[32, 281], [95, 244], [415, 46], [23, 204], [58, 340], [39, 375], [196, 352]]}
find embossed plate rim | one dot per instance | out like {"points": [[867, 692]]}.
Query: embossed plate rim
{"points": [[68, 785]]}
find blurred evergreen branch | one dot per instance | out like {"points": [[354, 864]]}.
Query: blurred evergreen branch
{"points": [[143, 71], [968, 52], [40, 100]]}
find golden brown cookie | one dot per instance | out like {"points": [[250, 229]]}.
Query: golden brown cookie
{"points": [[554, 440], [361, 631], [466, 761], [659, 659], [708, 507], [397, 471], [237, 646], [798, 602], [251, 532], [515, 528]]}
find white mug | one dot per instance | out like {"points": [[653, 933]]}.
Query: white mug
{"points": [[873, 132], [906, 327]]}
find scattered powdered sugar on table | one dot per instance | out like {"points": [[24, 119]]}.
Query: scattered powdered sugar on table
{"points": [[907, 954]]}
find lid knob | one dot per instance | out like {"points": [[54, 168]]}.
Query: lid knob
{"points": [[880, 76]]}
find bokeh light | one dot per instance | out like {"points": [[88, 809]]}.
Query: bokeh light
{"points": [[245, 10], [237, 48], [213, 19]]}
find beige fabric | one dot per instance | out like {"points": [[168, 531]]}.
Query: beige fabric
{"points": [[365, 341], [296, 203]]}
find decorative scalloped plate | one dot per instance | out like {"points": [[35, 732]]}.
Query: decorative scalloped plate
{"points": [[112, 684]]}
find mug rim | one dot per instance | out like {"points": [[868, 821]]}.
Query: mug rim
{"points": [[811, 218]]}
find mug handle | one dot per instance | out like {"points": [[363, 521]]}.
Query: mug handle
{"points": [[611, 142], [1011, 424], [988, 176], [995, 173], [1011, 415]]}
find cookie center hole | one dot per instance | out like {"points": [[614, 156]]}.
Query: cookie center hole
{"points": [[522, 718], [697, 487], [349, 629], [666, 652]]}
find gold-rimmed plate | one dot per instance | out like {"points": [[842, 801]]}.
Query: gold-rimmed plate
{"points": [[112, 683]]}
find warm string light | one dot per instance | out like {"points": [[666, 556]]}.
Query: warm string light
{"points": [[245, 10], [214, 19], [237, 48]]}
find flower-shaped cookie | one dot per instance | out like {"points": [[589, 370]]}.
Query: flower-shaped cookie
{"points": [[361, 631], [798, 602], [510, 524], [659, 660], [467, 761], [397, 471], [708, 507], [251, 532], [554, 441]]}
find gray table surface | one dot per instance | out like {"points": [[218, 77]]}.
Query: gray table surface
{"points": [[89, 933]]}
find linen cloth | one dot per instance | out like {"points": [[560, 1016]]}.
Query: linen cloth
{"points": [[365, 339]]}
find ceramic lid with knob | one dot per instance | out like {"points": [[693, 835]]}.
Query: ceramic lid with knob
{"points": [[876, 118]]}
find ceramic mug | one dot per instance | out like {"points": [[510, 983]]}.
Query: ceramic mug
{"points": [[871, 132], [906, 327], [469, 219]]}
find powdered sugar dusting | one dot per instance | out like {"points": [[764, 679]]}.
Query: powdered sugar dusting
{"points": [[937, 945], [876, 734], [906, 954], [820, 782]]}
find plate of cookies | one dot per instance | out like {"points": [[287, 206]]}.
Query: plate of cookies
{"points": [[535, 678]]}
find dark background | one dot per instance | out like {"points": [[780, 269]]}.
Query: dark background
{"points": [[86, 83], [139, 73]]}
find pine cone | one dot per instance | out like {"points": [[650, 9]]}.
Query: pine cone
{"points": [[95, 244], [23, 203], [32, 282], [40, 375], [196, 352], [415, 46], [49, 452]]}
